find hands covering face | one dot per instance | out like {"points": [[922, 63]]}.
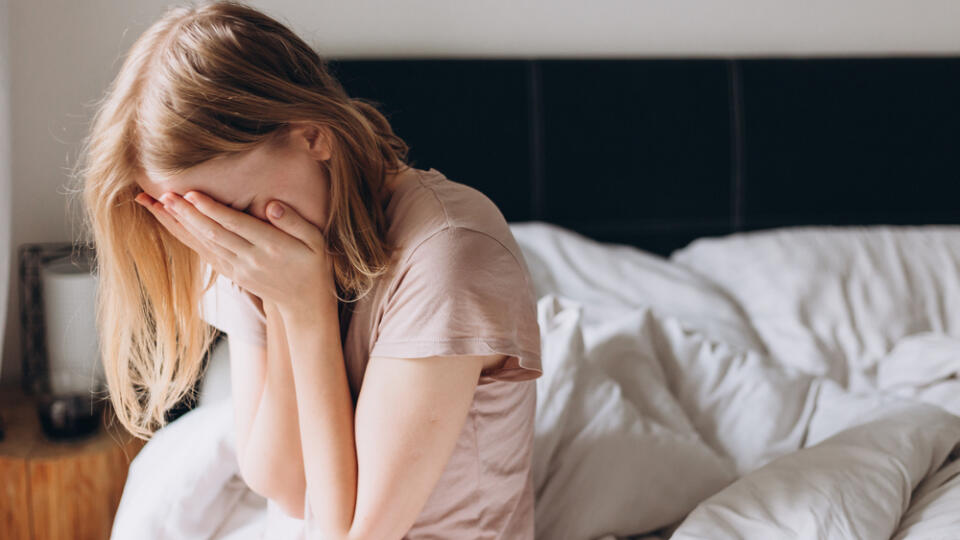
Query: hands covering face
{"points": [[284, 261]]}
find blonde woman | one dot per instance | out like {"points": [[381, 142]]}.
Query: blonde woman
{"points": [[381, 322]]}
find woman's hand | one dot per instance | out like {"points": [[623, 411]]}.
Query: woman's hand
{"points": [[284, 261]]}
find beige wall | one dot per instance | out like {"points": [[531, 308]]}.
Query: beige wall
{"points": [[63, 53]]}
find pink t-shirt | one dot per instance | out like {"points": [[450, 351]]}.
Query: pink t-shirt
{"points": [[459, 286]]}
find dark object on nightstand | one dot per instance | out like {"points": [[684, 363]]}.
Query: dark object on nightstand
{"points": [[68, 416]]}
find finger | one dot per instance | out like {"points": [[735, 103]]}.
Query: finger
{"points": [[178, 230], [291, 222], [204, 226], [169, 222], [214, 257], [247, 227]]}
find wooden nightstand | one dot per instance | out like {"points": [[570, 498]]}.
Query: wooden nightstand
{"points": [[59, 490]]}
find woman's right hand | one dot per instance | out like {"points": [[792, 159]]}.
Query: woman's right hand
{"points": [[180, 232]]}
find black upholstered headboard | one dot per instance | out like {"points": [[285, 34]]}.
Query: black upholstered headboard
{"points": [[657, 152]]}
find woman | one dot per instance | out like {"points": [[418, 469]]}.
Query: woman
{"points": [[372, 272]]}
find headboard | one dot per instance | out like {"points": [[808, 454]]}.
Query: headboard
{"points": [[658, 152]]}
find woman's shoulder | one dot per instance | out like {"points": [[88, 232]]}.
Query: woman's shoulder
{"points": [[461, 285], [440, 210]]}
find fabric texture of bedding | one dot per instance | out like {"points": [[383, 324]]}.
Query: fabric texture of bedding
{"points": [[834, 301], [797, 383]]}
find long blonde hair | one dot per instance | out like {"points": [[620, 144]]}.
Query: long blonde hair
{"points": [[206, 81]]}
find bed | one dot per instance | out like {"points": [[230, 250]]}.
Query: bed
{"points": [[748, 283]]}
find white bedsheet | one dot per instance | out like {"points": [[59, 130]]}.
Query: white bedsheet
{"points": [[724, 393]]}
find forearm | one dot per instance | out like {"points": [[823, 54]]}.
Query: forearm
{"points": [[248, 377], [248, 369], [326, 416], [273, 458]]}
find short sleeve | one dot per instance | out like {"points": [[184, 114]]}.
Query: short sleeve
{"points": [[462, 292], [225, 306]]}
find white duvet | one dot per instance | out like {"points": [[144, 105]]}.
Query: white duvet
{"points": [[798, 383]]}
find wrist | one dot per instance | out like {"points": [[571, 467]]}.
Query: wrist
{"points": [[307, 311], [307, 323]]}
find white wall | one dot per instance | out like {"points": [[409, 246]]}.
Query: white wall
{"points": [[5, 169], [65, 52]]}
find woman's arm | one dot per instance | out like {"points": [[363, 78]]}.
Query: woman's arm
{"points": [[271, 457], [322, 395], [248, 365], [372, 484]]}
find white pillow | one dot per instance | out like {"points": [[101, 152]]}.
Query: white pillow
{"points": [[834, 300], [857, 483], [606, 277]]}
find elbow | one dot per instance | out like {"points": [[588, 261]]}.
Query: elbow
{"points": [[290, 504], [285, 488], [367, 530]]}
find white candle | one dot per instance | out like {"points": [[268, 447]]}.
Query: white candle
{"points": [[69, 293]]}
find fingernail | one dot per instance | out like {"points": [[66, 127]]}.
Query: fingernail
{"points": [[276, 210]]}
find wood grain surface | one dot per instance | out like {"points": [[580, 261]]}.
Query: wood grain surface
{"points": [[59, 489]]}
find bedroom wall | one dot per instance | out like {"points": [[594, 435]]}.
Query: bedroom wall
{"points": [[5, 170], [64, 53]]}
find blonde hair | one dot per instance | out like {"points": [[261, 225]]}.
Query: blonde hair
{"points": [[206, 81]]}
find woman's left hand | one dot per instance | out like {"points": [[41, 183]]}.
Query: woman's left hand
{"points": [[284, 261]]}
